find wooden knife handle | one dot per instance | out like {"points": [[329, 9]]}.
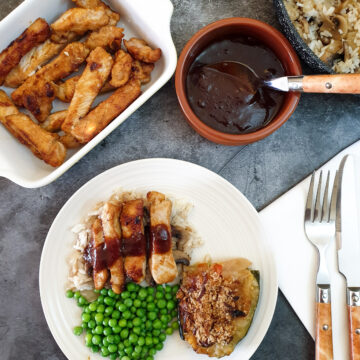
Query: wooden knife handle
{"points": [[353, 299], [323, 337], [338, 84]]}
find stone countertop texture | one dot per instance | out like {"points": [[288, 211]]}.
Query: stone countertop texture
{"points": [[321, 126]]}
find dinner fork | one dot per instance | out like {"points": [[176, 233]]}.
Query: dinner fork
{"points": [[319, 226]]}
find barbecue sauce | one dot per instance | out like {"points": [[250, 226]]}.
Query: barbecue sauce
{"points": [[222, 101], [160, 239]]}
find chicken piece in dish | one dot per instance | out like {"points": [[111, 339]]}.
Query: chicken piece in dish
{"points": [[97, 119], [43, 144], [69, 141], [34, 35], [54, 121], [7, 107], [77, 21], [140, 50], [107, 37], [37, 92], [95, 256], [97, 70], [110, 217], [65, 90], [32, 61], [134, 243], [161, 260], [142, 71], [93, 4], [121, 71]]}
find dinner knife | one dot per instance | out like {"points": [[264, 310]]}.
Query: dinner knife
{"points": [[348, 243]]}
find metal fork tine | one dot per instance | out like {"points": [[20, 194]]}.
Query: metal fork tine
{"points": [[309, 209], [332, 215], [326, 205], [317, 210]]}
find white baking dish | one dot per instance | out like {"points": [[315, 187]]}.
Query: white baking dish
{"points": [[148, 19]]}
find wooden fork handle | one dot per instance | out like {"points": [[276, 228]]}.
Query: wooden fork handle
{"points": [[323, 337], [353, 307]]}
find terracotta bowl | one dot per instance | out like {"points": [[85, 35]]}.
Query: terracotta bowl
{"points": [[219, 29]]}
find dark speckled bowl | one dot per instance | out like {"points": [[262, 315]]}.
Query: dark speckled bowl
{"points": [[303, 50]]}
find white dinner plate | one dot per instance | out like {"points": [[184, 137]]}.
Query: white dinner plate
{"points": [[225, 220]]}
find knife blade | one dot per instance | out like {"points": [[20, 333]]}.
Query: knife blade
{"points": [[348, 243]]}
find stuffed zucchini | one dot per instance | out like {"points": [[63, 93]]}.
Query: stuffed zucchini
{"points": [[217, 303]]}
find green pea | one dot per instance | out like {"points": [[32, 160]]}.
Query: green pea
{"points": [[87, 309], [169, 331], [93, 306], [168, 296], [122, 323], [125, 294], [133, 338], [142, 293], [85, 317], [103, 292], [148, 341], [104, 351], [159, 288], [116, 329], [148, 324], [136, 321], [124, 333], [150, 290], [141, 341], [171, 305], [105, 342], [175, 325], [133, 295], [100, 308], [107, 331], [69, 294], [95, 348], [127, 343], [122, 307], [127, 314], [82, 300], [78, 330], [128, 350], [109, 310], [84, 325], [99, 329], [100, 299], [113, 356], [152, 352], [159, 295], [88, 339], [91, 324], [128, 302], [140, 313], [117, 339], [161, 304], [130, 287], [175, 289], [150, 357], [77, 294], [99, 318], [150, 299], [156, 332], [109, 301], [112, 348], [152, 315], [111, 293], [150, 307], [137, 303], [159, 346], [173, 313], [116, 314], [137, 330], [113, 322], [135, 355], [163, 311], [110, 339], [155, 340], [96, 291], [133, 310], [106, 321], [138, 349], [125, 358], [162, 337], [96, 339]]}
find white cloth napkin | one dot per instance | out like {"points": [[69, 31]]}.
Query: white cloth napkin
{"points": [[296, 259]]}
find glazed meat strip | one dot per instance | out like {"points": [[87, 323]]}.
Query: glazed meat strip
{"points": [[37, 92], [97, 70], [93, 4], [31, 62], [161, 261], [100, 272], [77, 21], [109, 37], [65, 91], [142, 71], [43, 144], [110, 217], [140, 50], [121, 71], [134, 244], [69, 141], [88, 127], [7, 107], [34, 35]]}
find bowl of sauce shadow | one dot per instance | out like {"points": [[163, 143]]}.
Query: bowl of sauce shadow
{"points": [[220, 107]]}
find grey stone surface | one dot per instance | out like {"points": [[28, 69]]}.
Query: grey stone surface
{"points": [[321, 126]]}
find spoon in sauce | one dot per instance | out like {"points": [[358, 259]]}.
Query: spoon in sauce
{"points": [[251, 82]]}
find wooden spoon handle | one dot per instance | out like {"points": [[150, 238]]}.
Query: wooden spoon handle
{"points": [[337, 84], [323, 337], [353, 299]]}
